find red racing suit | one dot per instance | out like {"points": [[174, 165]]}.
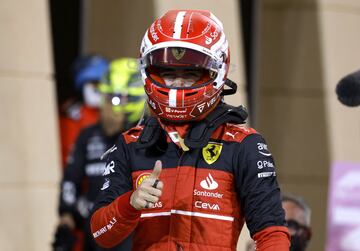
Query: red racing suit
{"points": [[207, 195], [75, 117]]}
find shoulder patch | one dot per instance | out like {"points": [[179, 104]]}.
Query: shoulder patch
{"points": [[133, 134], [236, 132]]}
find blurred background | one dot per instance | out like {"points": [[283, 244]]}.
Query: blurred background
{"points": [[286, 56]]}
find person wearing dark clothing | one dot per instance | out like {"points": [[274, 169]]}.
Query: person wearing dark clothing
{"points": [[77, 114], [121, 107], [297, 215]]}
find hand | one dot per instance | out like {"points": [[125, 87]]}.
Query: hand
{"points": [[150, 190], [68, 220], [64, 239]]}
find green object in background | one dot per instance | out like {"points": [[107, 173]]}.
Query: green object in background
{"points": [[124, 87]]}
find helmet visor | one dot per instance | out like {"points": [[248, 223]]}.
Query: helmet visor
{"points": [[180, 57]]}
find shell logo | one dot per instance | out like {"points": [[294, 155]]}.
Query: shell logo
{"points": [[141, 178]]}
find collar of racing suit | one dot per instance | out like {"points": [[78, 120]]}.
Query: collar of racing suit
{"points": [[194, 135]]}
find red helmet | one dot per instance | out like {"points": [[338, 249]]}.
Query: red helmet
{"points": [[185, 39]]}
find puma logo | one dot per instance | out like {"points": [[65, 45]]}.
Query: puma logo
{"points": [[230, 134]]}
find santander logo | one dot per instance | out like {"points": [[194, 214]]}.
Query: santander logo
{"points": [[209, 183]]}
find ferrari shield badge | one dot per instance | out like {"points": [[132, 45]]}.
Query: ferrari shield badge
{"points": [[178, 53], [211, 152]]}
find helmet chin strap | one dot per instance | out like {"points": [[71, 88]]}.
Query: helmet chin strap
{"points": [[232, 90]]}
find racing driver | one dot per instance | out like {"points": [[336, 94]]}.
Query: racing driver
{"points": [[193, 173]]}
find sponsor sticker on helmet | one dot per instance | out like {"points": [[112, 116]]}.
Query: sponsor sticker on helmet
{"points": [[201, 107], [208, 40], [178, 53]]}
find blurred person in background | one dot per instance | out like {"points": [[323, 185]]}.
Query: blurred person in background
{"points": [[121, 106], [297, 215], [193, 173], [76, 114]]}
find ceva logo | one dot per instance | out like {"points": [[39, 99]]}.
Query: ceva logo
{"points": [[205, 205], [209, 183]]}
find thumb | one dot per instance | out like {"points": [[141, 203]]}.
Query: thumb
{"points": [[157, 170]]}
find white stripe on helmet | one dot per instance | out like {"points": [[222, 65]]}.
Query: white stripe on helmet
{"points": [[178, 24], [172, 97]]}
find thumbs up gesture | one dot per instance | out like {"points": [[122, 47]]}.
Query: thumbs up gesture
{"points": [[150, 190]]}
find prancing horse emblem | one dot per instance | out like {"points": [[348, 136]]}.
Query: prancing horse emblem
{"points": [[178, 53], [211, 152]]}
